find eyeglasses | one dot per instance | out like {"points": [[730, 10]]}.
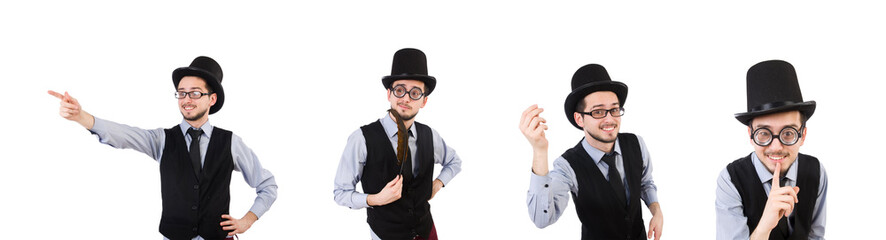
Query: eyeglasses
{"points": [[787, 136], [193, 95], [415, 93], [601, 113]]}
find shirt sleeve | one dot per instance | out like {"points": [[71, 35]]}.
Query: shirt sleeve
{"points": [[350, 169], [820, 214], [731, 222], [446, 156], [255, 175], [150, 142], [548, 195], [648, 190]]}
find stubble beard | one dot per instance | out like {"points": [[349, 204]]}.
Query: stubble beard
{"points": [[196, 117], [600, 137]]}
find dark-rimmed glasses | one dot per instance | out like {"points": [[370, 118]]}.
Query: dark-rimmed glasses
{"points": [[415, 93], [601, 113], [193, 95], [787, 136]]}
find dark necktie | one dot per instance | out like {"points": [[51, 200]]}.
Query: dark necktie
{"points": [[406, 167], [615, 178], [195, 149]]}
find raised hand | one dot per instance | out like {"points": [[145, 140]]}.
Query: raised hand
{"points": [[70, 109], [780, 204], [533, 127], [390, 193]]}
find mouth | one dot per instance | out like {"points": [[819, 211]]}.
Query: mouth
{"points": [[189, 107], [608, 127], [404, 107], [776, 157]]}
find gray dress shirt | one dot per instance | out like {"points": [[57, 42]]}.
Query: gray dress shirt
{"points": [[549, 195], [152, 142], [350, 168], [731, 222]]}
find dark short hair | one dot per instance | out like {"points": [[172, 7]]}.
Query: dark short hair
{"points": [[580, 106]]}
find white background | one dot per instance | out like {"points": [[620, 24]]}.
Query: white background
{"points": [[300, 78]]}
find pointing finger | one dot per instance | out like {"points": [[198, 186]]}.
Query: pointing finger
{"points": [[56, 94], [776, 180]]}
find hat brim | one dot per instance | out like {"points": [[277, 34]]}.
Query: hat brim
{"points": [[620, 90], [430, 82], [807, 108], [207, 77]]}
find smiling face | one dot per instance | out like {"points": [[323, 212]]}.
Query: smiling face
{"points": [[195, 111], [405, 106], [776, 151], [600, 133]]}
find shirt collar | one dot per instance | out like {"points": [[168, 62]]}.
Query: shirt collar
{"points": [[595, 153], [766, 176], [207, 128], [391, 127]]}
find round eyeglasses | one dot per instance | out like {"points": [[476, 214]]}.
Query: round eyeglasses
{"points": [[787, 136], [192, 95], [601, 113], [415, 93]]}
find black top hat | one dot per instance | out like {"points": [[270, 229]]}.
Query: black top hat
{"points": [[410, 63], [207, 69], [773, 88], [588, 79]]}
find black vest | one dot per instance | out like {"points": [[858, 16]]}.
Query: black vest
{"points": [[411, 214], [602, 215], [753, 196], [193, 205]]}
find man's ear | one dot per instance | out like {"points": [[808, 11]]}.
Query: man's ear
{"points": [[212, 99], [578, 119]]}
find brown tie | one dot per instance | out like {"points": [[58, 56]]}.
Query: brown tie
{"points": [[406, 167]]}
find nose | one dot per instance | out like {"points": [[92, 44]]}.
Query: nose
{"points": [[406, 98], [187, 99], [776, 145]]}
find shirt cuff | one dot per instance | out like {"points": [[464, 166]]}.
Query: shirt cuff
{"points": [[98, 127], [651, 196], [258, 209], [445, 177], [359, 200], [539, 184]]}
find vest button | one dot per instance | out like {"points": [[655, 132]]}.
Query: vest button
{"points": [[194, 207], [546, 211], [194, 229], [546, 185], [196, 186]]}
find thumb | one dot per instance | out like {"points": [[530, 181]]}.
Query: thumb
{"points": [[649, 235]]}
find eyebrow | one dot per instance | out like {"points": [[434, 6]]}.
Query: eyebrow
{"points": [[601, 105]]}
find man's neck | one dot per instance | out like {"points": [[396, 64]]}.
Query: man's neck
{"points": [[198, 123], [602, 146], [407, 123]]}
